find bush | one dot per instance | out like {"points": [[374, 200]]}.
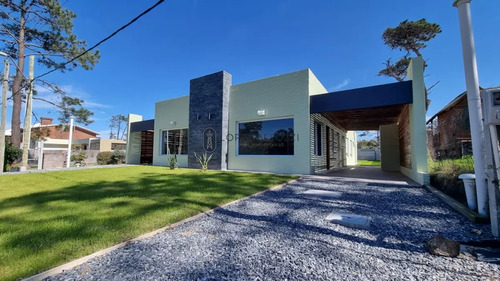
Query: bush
{"points": [[12, 154], [118, 157], [444, 175], [104, 158], [79, 157], [111, 157]]}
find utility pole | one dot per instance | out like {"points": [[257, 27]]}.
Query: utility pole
{"points": [[27, 116], [4, 110], [474, 102]]}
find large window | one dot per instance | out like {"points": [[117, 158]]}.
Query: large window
{"points": [[174, 141], [270, 137]]}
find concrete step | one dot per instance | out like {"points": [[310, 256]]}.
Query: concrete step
{"points": [[349, 220], [322, 193]]}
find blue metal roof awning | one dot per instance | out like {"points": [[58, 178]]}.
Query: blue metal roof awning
{"points": [[368, 97], [140, 126], [364, 108]]}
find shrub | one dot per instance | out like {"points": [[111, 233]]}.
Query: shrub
{"points": [[111, 157], [203, 160], [444, 175], [12, 154], [118, 157], [79, 157], [104, 158], [172, 161]]}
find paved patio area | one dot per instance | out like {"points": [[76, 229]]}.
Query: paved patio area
{"points": [[370, 174], [283, 235]]}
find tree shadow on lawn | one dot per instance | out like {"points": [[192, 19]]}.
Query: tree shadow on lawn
{"points": [[80, 219]]}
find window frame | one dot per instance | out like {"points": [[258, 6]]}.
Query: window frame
{"points": [[237, 143], [162, 143]]}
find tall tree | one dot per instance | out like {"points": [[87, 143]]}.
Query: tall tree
{"points": [[45, 29], [410, 37], [118, 127]]}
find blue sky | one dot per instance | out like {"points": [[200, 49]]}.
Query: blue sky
{"points": [[340, 41]]}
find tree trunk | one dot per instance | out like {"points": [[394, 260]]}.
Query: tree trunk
{"points": [[16, 86]]}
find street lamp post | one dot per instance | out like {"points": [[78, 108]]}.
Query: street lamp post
{"points": [[4, 110]]}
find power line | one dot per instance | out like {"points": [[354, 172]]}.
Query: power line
{"points": [[103, 40]]}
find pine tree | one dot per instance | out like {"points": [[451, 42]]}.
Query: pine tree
{"points": [[45, 29]]}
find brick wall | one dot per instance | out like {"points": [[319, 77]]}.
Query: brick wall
{"points": [[54, 159]]}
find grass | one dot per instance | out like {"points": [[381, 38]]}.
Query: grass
{"points": [[444, 175], [47, 219], [368, 163]]}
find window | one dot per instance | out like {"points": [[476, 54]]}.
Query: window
{"points": [[317, 139], [95, 144], [174, 141], [270, 137], [118, 146]]}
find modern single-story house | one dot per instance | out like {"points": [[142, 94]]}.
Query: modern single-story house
{"points": [[284, 124]]}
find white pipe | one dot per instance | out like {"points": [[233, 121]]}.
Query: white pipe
{"points": [[474, 102], [70, 138]]}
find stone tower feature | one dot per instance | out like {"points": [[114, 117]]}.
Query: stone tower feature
{"points": [[208, 119]]}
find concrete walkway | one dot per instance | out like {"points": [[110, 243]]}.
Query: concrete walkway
{"points": [[369, 174]]}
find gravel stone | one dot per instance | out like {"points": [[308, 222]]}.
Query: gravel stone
{"points": [[282, 235]]}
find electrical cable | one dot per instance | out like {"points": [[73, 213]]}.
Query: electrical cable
{"points": [[102, 41]]}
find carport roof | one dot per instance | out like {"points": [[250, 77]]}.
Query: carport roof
{"points": [[140, 126], [364, 108]]}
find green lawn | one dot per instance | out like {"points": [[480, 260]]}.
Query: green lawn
{"points": [[368, 163], [47, 219]]}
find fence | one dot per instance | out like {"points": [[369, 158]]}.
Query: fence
{"points": [[369, 154]]}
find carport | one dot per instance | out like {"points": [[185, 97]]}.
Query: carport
{"points": [[397, 110]]}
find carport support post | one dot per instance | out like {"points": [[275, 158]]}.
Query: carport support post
{"points": [[473, 101], [131, 119], [418, 134]]}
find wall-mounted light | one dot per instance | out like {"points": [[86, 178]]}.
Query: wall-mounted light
{"points": [[173, 123], [261, 112], [198, 117], [209, 116]]}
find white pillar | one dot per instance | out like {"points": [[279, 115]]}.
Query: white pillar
{"points": [[70, 139], [40, 155], [4, 110], [473, 100], [418, 131]]}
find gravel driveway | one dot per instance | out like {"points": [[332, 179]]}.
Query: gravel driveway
{"points": [[282, 235]]}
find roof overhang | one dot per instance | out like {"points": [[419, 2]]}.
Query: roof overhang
{"points": [[140, 126], [364, 108]]}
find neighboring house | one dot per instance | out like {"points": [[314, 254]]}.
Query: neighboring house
{"points": [[52, 141], [287, 123], [55, 137], [448, 131]]}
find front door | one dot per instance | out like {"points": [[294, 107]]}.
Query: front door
{"points": [[147, 139]]}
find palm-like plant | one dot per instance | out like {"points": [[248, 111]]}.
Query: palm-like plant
{"points": [[203, 160]]}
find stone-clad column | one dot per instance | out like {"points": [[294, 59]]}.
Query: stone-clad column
{"points": [[208, 119]]}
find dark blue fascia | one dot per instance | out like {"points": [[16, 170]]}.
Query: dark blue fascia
{"points": [[140, 126], [368, 97]]}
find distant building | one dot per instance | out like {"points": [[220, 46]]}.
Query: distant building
{"points": [[448, 131], [51, 140]]}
